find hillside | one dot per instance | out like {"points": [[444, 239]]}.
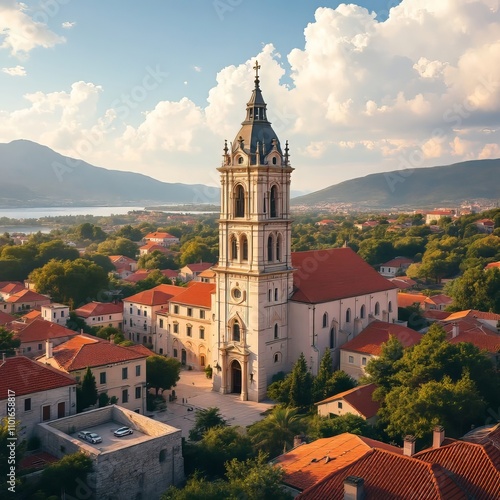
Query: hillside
{"points": [[35, 175], [433, 186]]}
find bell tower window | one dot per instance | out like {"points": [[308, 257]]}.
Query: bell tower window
{"points": [[275, 161], [278, 248], [239, 201], [244, 248], [274, 201], [270, 246], [234, 248]]}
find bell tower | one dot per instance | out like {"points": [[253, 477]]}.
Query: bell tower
{"points": [[254, 272]]}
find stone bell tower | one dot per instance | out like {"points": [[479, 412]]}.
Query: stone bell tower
{"points": [[254, 272]]}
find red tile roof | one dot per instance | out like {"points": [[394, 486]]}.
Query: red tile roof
{"points": [[25, 376], [98, 309], [5, 318], [401, 283], [11, 287], [473, 331], [37, 460], [197, 294], [27, 296], [473, 313], [439, 299], [159, 235], [33, 314], [85, 351], [326, 275], [398, 262], [408, 299], [140, 274], [198, 267], [484, 435], [435, 314], [121, 258], [152, 246], [39, 329], [158, 295], [388, 476], [370, 340], [360, 398], [492, 265], [475, 468], [306, 464]]}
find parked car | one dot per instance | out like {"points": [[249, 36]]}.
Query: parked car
{"points": [[123, 431], [94, 438], [83, 435]]}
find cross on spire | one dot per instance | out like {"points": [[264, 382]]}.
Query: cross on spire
{"points": [[256, 68]]}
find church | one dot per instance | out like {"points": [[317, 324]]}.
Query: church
{"points": [[270, 304]]}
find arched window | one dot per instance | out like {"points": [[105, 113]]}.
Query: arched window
{"points": [[276, 331], [274, 201], [234, 248], [270, 248], [362, 312], [277, 357], [348, 316], [278, 248], [236, 331], [240, 160], [239, 201], [332, 337], [244, 247], [377, 309], [275, 161], [325, 320], [389, 306], [270, 295], [276, 295]]}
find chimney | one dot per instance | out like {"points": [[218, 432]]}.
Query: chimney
{"points": [[437, 436], [455, 330], [3, 357], [111, 339], [48, 349], [354, 488], [298, 440], [409, 446]]}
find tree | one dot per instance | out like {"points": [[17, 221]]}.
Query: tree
{"points": [[324, 373], [8, 344], [87, 394], [101, 260], [274, 435], [129, 232], [156, 260], [118, 246], [321, 427], [162, 373], [301, 384], [376, 251], [106, 332], [218, 445], [67, 475], [196, 250], [339, 382], [70, 282], [206, 419]]}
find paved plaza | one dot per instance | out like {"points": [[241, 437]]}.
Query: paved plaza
{"points": [[194, 392]]}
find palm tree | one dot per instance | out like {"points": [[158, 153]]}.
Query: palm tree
{"points": [[274, 435]]}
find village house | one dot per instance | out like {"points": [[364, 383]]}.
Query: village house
{"points": [[119, 371], [485, 225], [357, 401], [184, 328], [161, 238], [191, 271], [23, 301], [436, 215], [41, 393], [151, 247], [369, 224], [100, 314], [5, 318], [395, 267], [356, 354], [55, 313], [140, 310], [124, 266]]}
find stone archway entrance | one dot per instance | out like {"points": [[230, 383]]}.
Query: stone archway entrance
{"points": [[235, 377]]}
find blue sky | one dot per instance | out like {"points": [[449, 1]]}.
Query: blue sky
{"points": [[156, 86]]}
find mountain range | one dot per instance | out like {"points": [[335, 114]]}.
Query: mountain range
{"points": [[419, 187], [32, 175], [35, 175]]}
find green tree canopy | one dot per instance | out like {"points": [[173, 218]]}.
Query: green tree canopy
{"points": [[321, 427], [86, 394], [8, 344], [156, 260], [162, 373], [118, 246], [206, 419]]}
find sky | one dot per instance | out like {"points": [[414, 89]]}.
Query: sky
{"points": [[156, 86]]}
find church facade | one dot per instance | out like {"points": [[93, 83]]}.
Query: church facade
{"points": [[270, 305]]}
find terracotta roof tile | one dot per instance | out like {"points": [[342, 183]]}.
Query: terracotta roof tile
{"points": [[159, 235], [435, 314], [39, 329], [325, 275], [473, 313], [439, 299], [197, 294], [360, 398], [27, 296], [388, 476], [5, 318], [492, 265], [151, 246], [306, 464], [398, 262], [370, 340], [25, 376], [99, 308], [85, 350], [198, 267], [475, 468], [158, 295], [484, 435], [11, 287], [408, 299], [122, 258]]}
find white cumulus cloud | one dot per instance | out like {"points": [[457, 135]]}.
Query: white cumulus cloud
{"points": [[15, 71]]}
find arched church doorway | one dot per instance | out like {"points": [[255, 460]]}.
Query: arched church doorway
{"points": [[236, 377]]}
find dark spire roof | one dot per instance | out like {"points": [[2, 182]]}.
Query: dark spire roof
{"points": [[256, 135]]}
